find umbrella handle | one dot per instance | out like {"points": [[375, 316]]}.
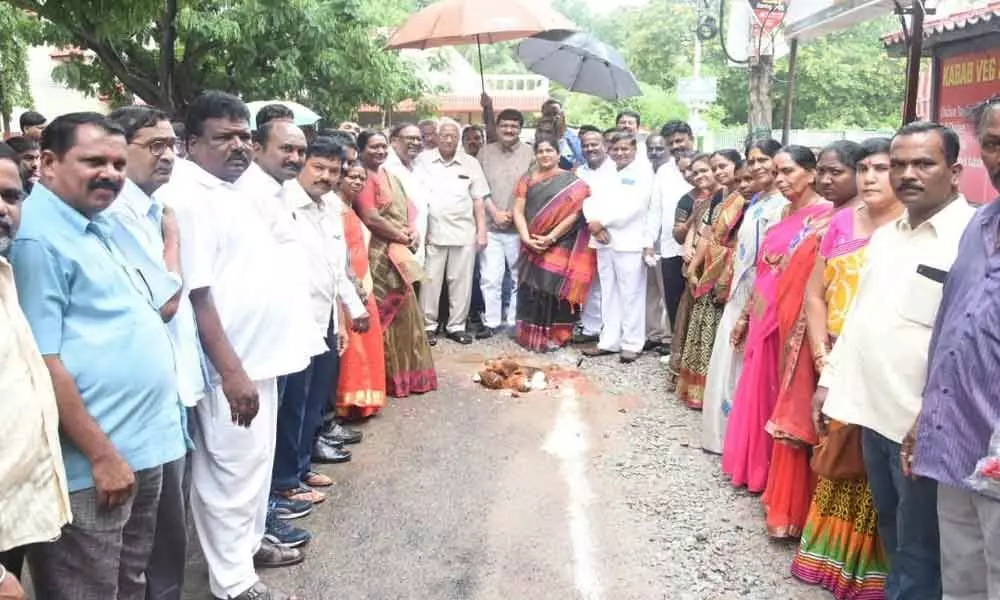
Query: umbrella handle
{"points": [[482, 77]]}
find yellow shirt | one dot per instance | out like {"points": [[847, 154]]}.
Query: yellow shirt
{"points": [[34, 501], [876, 372]]}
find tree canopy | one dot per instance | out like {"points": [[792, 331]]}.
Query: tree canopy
{"points": [[324, 53], [17, 32]]}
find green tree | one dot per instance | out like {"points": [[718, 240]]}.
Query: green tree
{"points": [[845, 80], [324, 53], [18, 31]]}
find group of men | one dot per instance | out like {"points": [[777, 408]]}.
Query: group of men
{"points": [[465, 194], [171, 336]]}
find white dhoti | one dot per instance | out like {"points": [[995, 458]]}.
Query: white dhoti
{"points": [[656, 309], [230, 486], [623, 299], [591, 320]]}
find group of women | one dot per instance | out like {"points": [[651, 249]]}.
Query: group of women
{"points": [[773, 247]]}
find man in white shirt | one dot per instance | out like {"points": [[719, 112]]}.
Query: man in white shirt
{"points": [[616, 221], [597, 171], [147, 235], [504, 162], [252, 330], [876, 372], [406, 146], [668, 188], [317, 221], [456, 230], [35, 503]]}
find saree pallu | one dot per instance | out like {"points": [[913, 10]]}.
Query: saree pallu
{"points": [[360, 391], [553, 283], [706, 312], [840, 549], [746, 456], [409, 365], [790, 481]]}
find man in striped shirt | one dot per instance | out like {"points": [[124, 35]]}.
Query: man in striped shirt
{"points": [[961, 405]]}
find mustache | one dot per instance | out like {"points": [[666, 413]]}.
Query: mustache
{"points": [[104, 184], [238, 155], [909, 186]]}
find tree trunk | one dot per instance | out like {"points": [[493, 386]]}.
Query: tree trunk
{"points": [[168, 29], [761, 101]]}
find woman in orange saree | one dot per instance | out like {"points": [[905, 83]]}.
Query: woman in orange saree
{"points": [[385, 209], [705, 270], [361, 388]]}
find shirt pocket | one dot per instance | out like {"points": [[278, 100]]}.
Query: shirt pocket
{"points": [[920, 299]]}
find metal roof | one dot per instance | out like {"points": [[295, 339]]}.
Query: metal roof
{"points": [[986, 17]]}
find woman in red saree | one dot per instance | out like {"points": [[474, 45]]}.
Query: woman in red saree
{"points": [[791, 482], [746, 455], [385, 209], [361, 388], [556, 266]]}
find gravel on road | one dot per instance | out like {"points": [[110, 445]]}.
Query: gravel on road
{"points": [[701, 539]]}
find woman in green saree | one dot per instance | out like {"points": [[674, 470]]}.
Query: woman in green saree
{"points": [[388, 213]]}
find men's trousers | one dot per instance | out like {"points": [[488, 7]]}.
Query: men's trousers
{"points": [[673, 285], [452, 265], [623, 292], [907, 521], [591, 320], [104, 552], [230, 485], [165, 574], [969, 523], [502, 251], [656, 314], [300, 417]]}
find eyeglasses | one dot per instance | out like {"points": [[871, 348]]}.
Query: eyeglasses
{"points": [[158, 146]]}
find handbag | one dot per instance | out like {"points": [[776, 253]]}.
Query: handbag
{"points": [[838, 455]]}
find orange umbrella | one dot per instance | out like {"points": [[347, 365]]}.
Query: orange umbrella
{"points": [[461, 22]]}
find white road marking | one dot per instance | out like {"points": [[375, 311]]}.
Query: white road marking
{"points": [[568, 442]]}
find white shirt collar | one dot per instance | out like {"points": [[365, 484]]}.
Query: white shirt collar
{"points": [[134, 200], [294, 196]]}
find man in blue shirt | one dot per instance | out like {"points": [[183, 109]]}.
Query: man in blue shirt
{"points": [[109, 355]]}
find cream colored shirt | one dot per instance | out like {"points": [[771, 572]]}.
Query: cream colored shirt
{"points": [[876, 372], [454, 185], [34, 497], [320, 232]]}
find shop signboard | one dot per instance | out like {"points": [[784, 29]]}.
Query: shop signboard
{"points": [[964, 81]]}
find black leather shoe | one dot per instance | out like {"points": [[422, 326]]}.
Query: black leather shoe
{"points": [[338, 434], [327, 454], [486, 333], [460, 337]]}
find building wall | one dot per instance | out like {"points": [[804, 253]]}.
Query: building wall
{"points": [[53, 99]]}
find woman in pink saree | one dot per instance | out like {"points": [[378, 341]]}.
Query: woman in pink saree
{"points": [[746, 455]]}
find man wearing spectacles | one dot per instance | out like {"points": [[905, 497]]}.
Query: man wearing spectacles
{"points": [[147, 234]]}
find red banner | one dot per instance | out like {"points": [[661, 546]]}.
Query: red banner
{"points": [[964, 81]]}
